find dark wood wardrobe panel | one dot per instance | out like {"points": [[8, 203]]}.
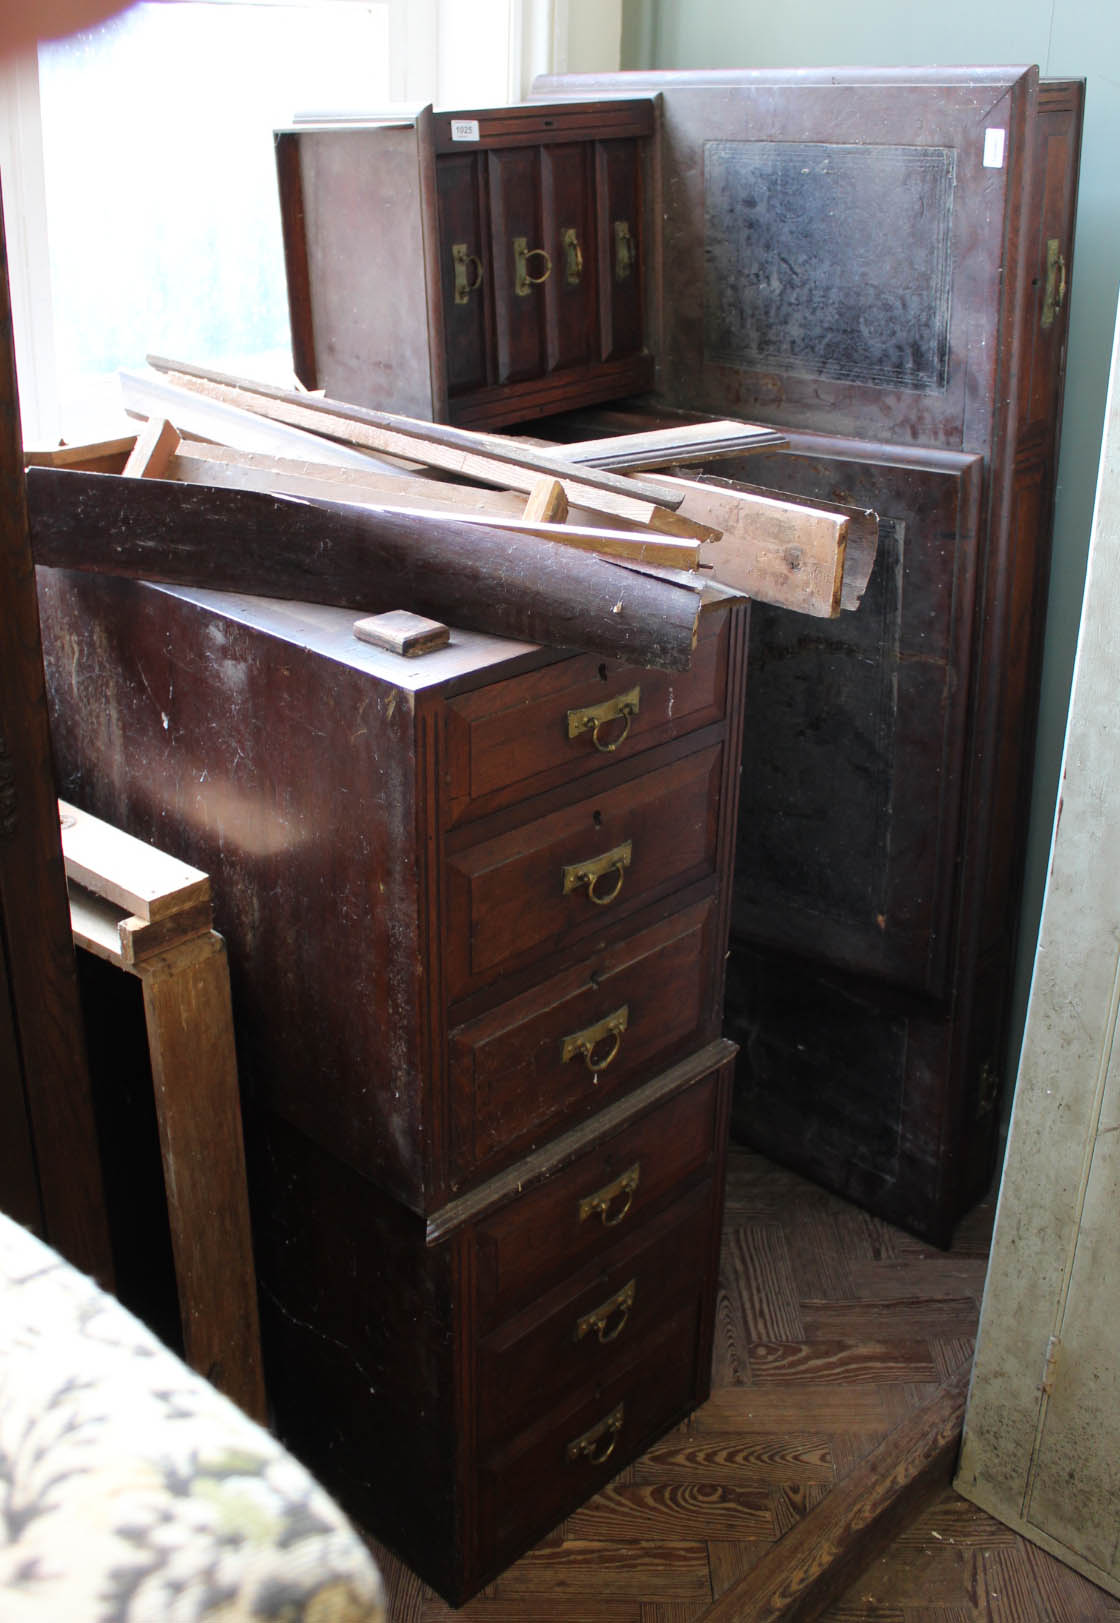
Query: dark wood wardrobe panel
{"points": [[50, 1175], [881, 255]]}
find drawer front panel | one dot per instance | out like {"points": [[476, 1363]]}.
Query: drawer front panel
{"points": [[569, 292], [515, 739], [528, 1488], [600, 1200], [586, 1331], [580, 869], [561, 1051], [620, 259], [521, 262], [465, 271]]}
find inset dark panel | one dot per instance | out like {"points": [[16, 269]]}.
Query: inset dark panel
{"points": [[827, 261], [819, 749], [854, 747]]}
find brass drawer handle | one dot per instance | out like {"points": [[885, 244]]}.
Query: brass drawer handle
{"points": [[463, 261], [614, 1200], [623, 251], [594, 717], [598, 1444], [523, 280], [575, 874], [609, 1321], [573, 256], [608, 1030]]}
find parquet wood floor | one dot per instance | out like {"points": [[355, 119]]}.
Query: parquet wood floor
{"points": [[832, 1328]]}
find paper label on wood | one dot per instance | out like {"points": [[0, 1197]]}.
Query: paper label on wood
{"points": [[995, 143]]}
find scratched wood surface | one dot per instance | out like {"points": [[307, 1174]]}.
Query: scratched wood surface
{"points": [[832, 1329]]}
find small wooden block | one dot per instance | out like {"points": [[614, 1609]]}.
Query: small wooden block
{"points": [[156, 443], [402, 633]]}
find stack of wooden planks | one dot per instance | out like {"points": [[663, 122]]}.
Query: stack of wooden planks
{"points": [[242, 486]]}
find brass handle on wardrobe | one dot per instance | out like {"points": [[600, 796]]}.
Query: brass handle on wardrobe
{"points": [[594, 717], [523, 280], [462, 262], [616, 1310], [614, 1200], [587, 1041], [623, 251], [575, 874], [1055, 293], [573, 256], [598, 1444]]}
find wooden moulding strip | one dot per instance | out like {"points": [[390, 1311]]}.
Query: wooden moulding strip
{"points": [[516, 467], [93, 456], [813, 1564], [663, 447], [498, 509]]}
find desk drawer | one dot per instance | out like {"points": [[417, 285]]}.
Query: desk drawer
{"points": [[516, 739], [599, 1200], [586, 1330], [557, 1465], [565, 1048], [580, 869]]}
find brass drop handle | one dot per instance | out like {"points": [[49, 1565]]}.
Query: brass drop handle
{"points": [[576, 874], [614, 1200], [594, 718], [609, 1320], [598, 1444], [1055, 292], [592, 1038], [623, 251], [573, 256], [523, 279], [462, 261]]}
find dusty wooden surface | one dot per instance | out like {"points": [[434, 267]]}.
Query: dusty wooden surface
{"points": [[244, 541]]}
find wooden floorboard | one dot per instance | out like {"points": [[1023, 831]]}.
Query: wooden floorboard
{"points": [[841, 1352]]}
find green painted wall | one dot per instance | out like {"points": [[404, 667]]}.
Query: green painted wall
{"points": [[1067, 39]]}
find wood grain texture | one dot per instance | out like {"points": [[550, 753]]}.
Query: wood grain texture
{"points": [[803, 1451], [329, 553]]}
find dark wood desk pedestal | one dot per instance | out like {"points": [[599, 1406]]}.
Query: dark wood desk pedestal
{"points": [[476, 907]]}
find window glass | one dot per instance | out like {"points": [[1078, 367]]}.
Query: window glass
{"points": [[162, 207]]}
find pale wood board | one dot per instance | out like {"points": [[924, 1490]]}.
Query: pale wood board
{"points": [[135, 876], [413, 497], [156, 444], [780, 551], [456, 451], [1042, 1435]]}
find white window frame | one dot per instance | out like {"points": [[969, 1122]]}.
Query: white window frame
{"points": [[541, 36]]}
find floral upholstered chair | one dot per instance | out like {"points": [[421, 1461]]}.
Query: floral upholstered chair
{"points": [[132, 1492]]}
